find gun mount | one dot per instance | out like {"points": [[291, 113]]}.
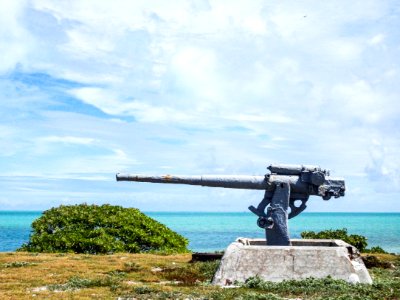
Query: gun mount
{"points": [[287, 187]]}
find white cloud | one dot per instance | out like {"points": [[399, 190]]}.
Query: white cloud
{"points": [[195, 74], [359, 99], [265, 118], [384, 166], [376, 39], [108, 102], [15, 40], [344, 49], [68, 140]]}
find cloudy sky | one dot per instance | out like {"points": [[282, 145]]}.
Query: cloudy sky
{"points": [[92, 88]]}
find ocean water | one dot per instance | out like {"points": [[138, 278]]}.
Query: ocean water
{"points": [[215, 230]]}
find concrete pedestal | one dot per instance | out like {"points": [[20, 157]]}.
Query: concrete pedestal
{"points": [[246, 258]]}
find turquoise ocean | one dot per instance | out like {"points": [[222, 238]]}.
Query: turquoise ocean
{"points": [[211, 231]]}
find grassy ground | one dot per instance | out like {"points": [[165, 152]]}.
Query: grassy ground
{"points": [[146, 276]]}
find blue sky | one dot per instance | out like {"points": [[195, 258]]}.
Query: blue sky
{"points": [[92, 88]]}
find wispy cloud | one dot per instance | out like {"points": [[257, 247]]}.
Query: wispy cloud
{"points": [[68, 140]]}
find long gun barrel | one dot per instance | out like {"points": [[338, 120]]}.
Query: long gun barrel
{"points": [[226, 181]]}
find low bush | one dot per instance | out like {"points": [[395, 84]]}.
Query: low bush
{"points": [[376, 249], [101, 229]]}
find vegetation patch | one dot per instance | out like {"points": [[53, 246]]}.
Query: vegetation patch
{"points": [[192, 273], [18, 264], [151, 293], [372, 261], [242, 294], [117, 273], [130, 266], [144, 290], [101, 230], [328, 288], [376, 249], [76, 282]]}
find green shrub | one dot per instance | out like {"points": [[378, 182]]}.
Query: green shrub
{"points": [[101, 229], [375, 249], [358, 241]]}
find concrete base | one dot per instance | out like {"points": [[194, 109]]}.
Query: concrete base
{"points": [[305, 258]]}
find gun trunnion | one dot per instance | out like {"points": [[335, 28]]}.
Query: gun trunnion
{"points": [[286, 187]]}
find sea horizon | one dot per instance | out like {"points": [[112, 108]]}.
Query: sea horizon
{"points": [[210, 211], [214, 230]]}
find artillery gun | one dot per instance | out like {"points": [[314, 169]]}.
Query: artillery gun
{"points": [[287, 187]]}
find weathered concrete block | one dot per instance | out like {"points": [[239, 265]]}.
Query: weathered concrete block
{"points": [[246, 258]]}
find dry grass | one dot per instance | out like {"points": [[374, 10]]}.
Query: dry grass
{"points": [[27, 275]]}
